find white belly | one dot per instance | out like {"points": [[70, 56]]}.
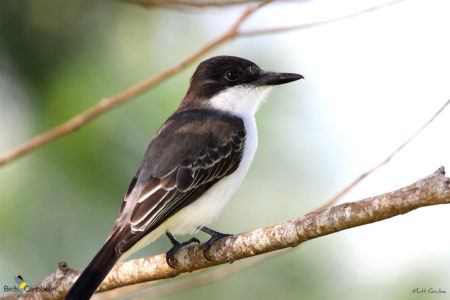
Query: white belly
{"points": [[207, 208]]}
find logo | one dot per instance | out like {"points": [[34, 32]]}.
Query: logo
{"points": [[22, 286], [23, 283]]}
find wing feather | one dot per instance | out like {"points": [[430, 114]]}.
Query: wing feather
{"points": [[155, 195], [205, 172]]}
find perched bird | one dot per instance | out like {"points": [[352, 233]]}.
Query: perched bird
{"points": [[193, 165]]}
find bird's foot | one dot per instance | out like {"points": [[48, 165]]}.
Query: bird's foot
{"points": [[176, 246], [214, 237]]}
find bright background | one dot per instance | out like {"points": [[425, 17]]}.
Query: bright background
{"points": [[370, 83]]}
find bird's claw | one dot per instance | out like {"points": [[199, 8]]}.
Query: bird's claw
{"points": [[214, 237], [176, 246]]}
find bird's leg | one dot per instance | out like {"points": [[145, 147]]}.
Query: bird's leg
{"points": [[214, 237], [176, 245]]}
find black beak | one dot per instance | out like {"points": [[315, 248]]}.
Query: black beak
{"points": [[273, 78]]}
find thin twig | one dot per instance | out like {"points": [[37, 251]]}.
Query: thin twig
{"points": [[315, 24], [194, 3], [431, 190], [383, 162], [109, 103]]}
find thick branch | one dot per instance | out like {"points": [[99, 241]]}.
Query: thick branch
{"points": [[431, 190]]}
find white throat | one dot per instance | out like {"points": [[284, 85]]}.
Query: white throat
{"points": [[240, 100]]}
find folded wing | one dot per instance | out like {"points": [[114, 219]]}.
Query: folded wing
{"points": [[155, 195]]}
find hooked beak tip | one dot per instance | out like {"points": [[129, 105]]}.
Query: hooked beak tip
{"points": [[274, 78]]}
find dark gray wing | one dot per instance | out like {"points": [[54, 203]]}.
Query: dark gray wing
{"points": [[191, 152]]}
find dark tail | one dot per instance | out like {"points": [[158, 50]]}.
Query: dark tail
{"points": [[95, 272]]}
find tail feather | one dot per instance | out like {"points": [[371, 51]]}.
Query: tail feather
{"points": [[95, 272]]}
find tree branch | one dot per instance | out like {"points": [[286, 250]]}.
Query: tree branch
{"points": [[108, 103], [431, 190]]}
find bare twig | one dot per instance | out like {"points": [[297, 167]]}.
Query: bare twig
{"points": [[383, 162], [315, 24], [431, 190], [109, 103], [194, 3]]}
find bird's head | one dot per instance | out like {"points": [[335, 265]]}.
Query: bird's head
{"points": [[231, 83]]}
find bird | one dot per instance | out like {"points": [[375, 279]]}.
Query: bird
{"points": [[192, 166]]}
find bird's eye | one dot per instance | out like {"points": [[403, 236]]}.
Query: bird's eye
{"points": [[232, 76]]}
